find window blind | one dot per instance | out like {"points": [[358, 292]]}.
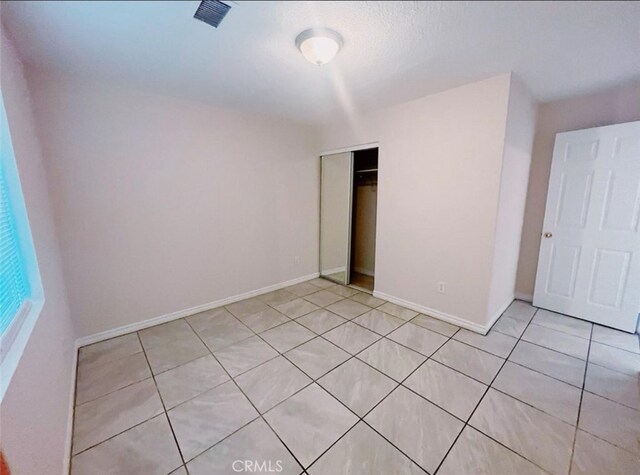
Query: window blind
{"points": [[13, 280]]}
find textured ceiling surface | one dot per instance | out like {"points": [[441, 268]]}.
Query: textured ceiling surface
{"points": [[393, 52]]}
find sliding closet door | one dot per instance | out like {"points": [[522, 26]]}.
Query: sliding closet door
{"points": [[335, 216]]}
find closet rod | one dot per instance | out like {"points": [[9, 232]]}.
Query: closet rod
{"points": [[367, 171]]}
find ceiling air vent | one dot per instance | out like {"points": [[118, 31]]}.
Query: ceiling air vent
{"points": [[212, 12]]}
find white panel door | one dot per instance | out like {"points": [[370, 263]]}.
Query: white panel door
{"points": [[589, 265]]}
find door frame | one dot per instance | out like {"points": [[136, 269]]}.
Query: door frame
{"points": [[352, 148]]}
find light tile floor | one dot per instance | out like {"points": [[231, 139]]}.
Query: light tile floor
{"points": [[318, 379]]}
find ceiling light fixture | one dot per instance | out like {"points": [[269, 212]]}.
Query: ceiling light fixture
{"points": [[319, 45]]}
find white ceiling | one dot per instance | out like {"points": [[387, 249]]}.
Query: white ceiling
{"points": [[394, 51]]}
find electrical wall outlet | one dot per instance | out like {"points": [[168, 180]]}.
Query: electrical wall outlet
{"points": [[442, 287], [296, 260]]}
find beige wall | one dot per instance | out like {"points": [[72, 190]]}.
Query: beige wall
{"points": [[521, 121], [614, 106], [165, 204], [34, 412], [439, 177]]}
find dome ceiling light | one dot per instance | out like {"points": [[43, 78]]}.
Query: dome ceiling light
{"points": [[319, 45]]}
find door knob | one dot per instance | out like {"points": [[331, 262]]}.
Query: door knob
{"points": [[547, 235]]}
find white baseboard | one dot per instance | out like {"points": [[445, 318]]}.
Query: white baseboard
{"points": [[66, 467], [105, 335], [525, 297], [461, 322]]}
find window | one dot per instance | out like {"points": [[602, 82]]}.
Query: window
{"points": [[21, 296], [14, 287]]}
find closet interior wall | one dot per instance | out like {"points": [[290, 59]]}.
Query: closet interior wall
{"points": [[364, 205]]}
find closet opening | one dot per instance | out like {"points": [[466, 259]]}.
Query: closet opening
{"points": [[348, 206], [363, 218]]}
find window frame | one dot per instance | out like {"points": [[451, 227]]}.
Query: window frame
{"points": [[15, 337]]}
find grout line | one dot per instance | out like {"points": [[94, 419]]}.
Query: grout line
{"points": [[398, 384], [609, 399], [566, 332], [116, 390], [605, 441], [545, 374], [100, 363], [129, 384], [584, 381], [139, 423], [552, 349], [316, 335], [474, 348], [260, 415], [224, 438], [614, 370], [128, 428], [534, 407], [315, 380], [489, 386], [322, 331], [617, 347], [120, 433], [166, 415], [505, 360], [358, 420]]}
